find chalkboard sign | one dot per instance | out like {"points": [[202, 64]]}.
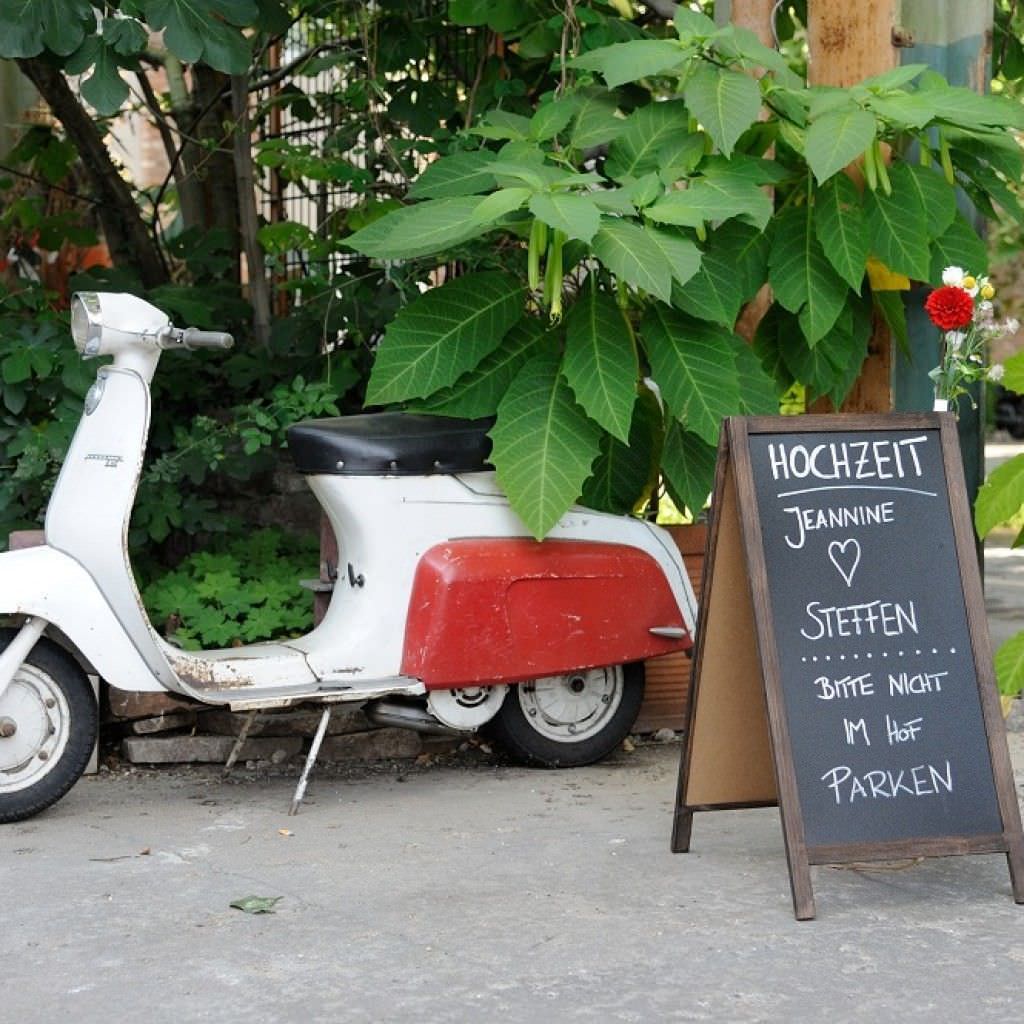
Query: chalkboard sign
{"points": [[867, 707]]}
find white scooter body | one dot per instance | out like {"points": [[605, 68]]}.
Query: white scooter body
{"points": [[80, 587]]}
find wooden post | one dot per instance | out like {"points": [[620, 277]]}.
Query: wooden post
{"points": [[848, 43]]}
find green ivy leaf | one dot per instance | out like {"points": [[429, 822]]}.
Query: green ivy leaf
{"points": [[1000, 497], [624, 475], [801, 275], [479, 392], [726, 103], [958, 246], [442, 334], [631, 254], [427, 227], [1009, 663], [576, 215], [645, 132], [841, 229], [462, 174], [692, 362], [544, 444], [688, 461], [600, 362], [632, 60], [836, 139]]}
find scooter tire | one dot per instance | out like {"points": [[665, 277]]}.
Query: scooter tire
{"points": [[536, 745], [50, 673]]}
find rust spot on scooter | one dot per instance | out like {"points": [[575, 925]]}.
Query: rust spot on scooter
{"points": [[201, 676]]}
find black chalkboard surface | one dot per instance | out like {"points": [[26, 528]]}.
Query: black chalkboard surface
{"points": [[842, 603]]}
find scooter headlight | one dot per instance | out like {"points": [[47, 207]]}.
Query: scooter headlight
{"points": [[86, 323]]}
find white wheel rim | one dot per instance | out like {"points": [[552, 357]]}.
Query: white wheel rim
{"points": [[39, 711], [574, 707]]}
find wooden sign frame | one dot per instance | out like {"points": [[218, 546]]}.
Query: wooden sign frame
{"points": [[737, 751]]}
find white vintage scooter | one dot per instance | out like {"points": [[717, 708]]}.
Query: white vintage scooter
{"points": [[447, 615]]}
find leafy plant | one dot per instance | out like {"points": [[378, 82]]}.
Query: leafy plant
{"points": [[612, 236], [1000, 499], [242, 592]]}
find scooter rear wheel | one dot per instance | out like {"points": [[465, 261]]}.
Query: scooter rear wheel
{"points": [[571, 720], [48, 728]]}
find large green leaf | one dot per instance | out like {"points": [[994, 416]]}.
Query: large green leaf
{"points": [[1009, 662], [625, 474], [713, 199], [840, 226], [679, 252], [899, 231], [209, 31], [496, 205], [635, 151], [935, 196], [551, 117], [1013, 379], [600, 361], [759, 393], [692, 362], [479, 392], [715, 292], [632, 60], [688, 461], [958, 246], [597, 119], [427, 227], [801, 275], [831, 366], [968, 109], [442, 334], [1001, 496], [575, 215], [836, 139], [890, 305], [726, 103], [105, 90], [544, 444], [462, 174], [27, 26], [910, 110], [633, 256]]}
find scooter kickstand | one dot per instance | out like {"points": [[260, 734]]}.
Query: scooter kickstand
{"points": [[243, 735], [314, 749]]}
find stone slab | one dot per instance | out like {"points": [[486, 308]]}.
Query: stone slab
{"points": [[208, 749], [378, 745], [345, 718]]}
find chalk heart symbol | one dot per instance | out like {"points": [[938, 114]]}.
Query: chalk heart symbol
{"points": [[845, 555]]}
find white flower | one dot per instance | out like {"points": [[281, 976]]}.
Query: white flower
{"points": [[1011, 325], [955, 340], [953, 276], [995, 372], [983, 313]]}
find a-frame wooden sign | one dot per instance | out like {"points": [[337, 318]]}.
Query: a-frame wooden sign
{"points": [[843, 668]]}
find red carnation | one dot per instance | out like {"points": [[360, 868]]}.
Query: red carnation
{"points": [[950, 308]]}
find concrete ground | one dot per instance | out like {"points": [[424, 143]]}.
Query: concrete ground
{"points": [[468, 891]]}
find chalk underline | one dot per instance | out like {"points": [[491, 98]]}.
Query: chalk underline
{"points": [[856, 487]]}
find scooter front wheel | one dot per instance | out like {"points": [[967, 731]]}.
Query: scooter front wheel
{"points": [[48, 728], [571, 720]]}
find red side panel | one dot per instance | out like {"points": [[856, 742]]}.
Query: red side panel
{"points": [[505, 610]]}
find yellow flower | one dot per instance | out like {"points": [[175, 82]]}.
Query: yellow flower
{"points": [[968, 282], [987, 291]]}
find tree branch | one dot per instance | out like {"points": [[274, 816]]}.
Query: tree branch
{"points": [[126, 233]]}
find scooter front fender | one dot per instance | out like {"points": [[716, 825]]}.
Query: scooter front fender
{"points": [[45, 582]]}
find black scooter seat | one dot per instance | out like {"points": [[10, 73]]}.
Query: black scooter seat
{"points": [[390, 444]]}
